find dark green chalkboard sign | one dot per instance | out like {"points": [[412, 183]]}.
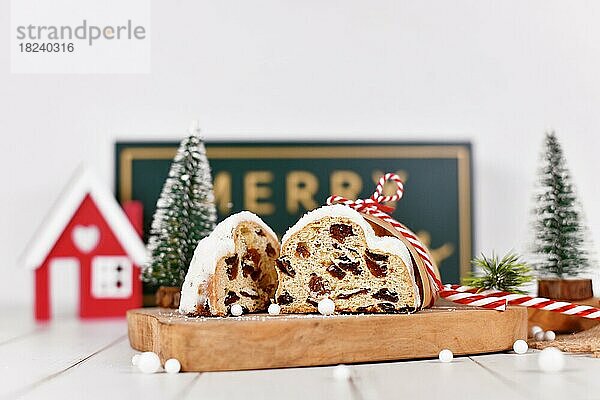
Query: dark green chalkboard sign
{"points": [[280, 181]]}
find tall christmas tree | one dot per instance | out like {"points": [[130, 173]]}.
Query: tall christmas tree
{"points": [[560, 242], [185, 213]]}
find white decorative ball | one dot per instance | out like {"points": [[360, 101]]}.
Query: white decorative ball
{"points": [[236, 310], [342, 372], [534, 329], [445, 356], [172, 366], [274, 309], [326, 306], [148, 362], [539, 336], [551, 359], [520, 346], [549, 336], [135, 359]]}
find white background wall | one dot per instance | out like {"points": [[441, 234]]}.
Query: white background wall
{"points": [[495, 73]]}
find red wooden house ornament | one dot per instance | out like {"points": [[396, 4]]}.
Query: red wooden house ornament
{"points": [[88, 225]]}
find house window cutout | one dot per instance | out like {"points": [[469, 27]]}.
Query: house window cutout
{"points": [[111, 277]]}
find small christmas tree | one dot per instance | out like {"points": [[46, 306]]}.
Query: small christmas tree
{"points": [[185, 213], [560, 242]]}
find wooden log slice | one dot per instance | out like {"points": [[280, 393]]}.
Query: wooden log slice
{"points": [[168, 296], [565, 289]]}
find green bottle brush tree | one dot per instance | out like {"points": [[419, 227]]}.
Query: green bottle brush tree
{"points": [[185, 213], [560, 244]]}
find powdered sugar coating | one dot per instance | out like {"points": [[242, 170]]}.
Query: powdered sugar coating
{"points": [[209, 250], [386, 244]]}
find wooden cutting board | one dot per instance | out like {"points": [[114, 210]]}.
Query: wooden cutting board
{"points": [[260, 341]]}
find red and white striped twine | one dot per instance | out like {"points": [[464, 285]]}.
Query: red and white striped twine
{"points": [[373, 206], [470, 296]]}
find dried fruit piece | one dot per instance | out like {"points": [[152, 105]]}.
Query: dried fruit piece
{"points": [[232, 267], [364, 309], [269, 289], [386, 294], [270, 250], [285, 298], [203, 309], [347, 295], [254, 256], [250, 262], [387, 307], [377, 264], [377, 257], [247, 269], [285, 267], [302, 250], [318, 285], [340, 232], [249, 293], [336, 272], [312, 302], [260, 232], [350, 266], [231, 298], [255, 275]]}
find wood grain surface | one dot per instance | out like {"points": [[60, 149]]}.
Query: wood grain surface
{"points": [[565, 289], [261, 341]]}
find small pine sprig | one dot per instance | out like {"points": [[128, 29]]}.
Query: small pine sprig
{"points": [[507, 274]]}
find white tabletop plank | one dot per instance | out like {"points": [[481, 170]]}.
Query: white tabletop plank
{"points": [[290, 384], [578, 380], [15, 323], [51, 349], [110, 375], [461, 379]]}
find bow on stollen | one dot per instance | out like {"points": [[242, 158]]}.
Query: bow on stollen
{"points": [[373, 206], [373, 203]]}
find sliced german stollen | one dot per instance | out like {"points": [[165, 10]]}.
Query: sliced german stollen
{"points": [[235, 264], [334, 252]]}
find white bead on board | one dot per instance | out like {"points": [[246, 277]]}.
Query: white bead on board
{"points": [[342, 372], [172, 366], [446, 356], [148, 362], [326, 306], [520, 346], [236, 310], [274, 309]]}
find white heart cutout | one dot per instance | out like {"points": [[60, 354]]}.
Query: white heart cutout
{"points": [[86, 238]]}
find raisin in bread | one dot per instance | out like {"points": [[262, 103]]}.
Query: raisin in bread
{"points": [[333, 252], [234, 264]]}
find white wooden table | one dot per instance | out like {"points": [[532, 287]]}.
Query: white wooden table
{"points": [[68, 359]]}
